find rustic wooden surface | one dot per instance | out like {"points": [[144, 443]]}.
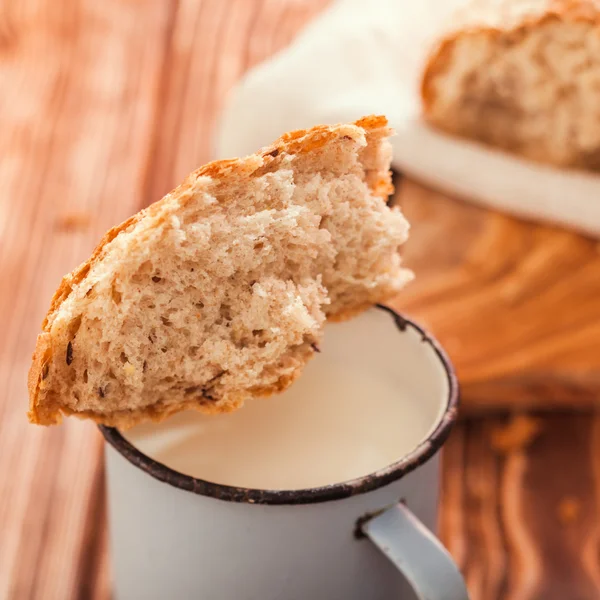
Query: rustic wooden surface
{"points": [[514, 303], [522, 516], [104, 107]]}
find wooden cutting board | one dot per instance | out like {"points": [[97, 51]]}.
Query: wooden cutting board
{"points": [[515, 304]]}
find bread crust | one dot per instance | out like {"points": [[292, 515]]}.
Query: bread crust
{"points": [[45, 407], [509, 20], [493, 18]]}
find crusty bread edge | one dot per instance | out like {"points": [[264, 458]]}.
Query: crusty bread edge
{"points": [[439, 59], [125, 419], [295, 142]]}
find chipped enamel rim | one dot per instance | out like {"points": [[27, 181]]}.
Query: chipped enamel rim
{"points": [[421, 454]]}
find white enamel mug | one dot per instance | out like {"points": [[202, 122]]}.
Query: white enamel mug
{"points": [[370, 538]]}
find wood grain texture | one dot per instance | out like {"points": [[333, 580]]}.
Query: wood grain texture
{"points": [[523, 522], [514, 303], [79, 95]]}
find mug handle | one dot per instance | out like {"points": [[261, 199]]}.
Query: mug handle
{"points": [[418, 554]]}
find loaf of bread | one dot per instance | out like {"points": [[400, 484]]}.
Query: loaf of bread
{"points": [[219, 291], [523, 76]]}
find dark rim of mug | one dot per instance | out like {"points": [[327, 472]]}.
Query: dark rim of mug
{"points": [[335, 491]]}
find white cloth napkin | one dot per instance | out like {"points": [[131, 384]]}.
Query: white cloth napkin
{"points": [[364, 56]]}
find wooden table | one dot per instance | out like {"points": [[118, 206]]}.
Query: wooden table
{"points": [[104, 106]]}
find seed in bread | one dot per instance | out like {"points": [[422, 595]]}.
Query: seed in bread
{"points": [[523, 76], [219, 291]]}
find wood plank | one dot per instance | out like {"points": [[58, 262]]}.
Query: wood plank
{"points": [[514, 303], [523, 520], [79, 95]]}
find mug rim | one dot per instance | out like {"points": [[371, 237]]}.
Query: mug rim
{"points": [[335, 491]]}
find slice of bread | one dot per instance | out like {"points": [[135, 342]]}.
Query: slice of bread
{"points": [[523, 76], [219, 291]]}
